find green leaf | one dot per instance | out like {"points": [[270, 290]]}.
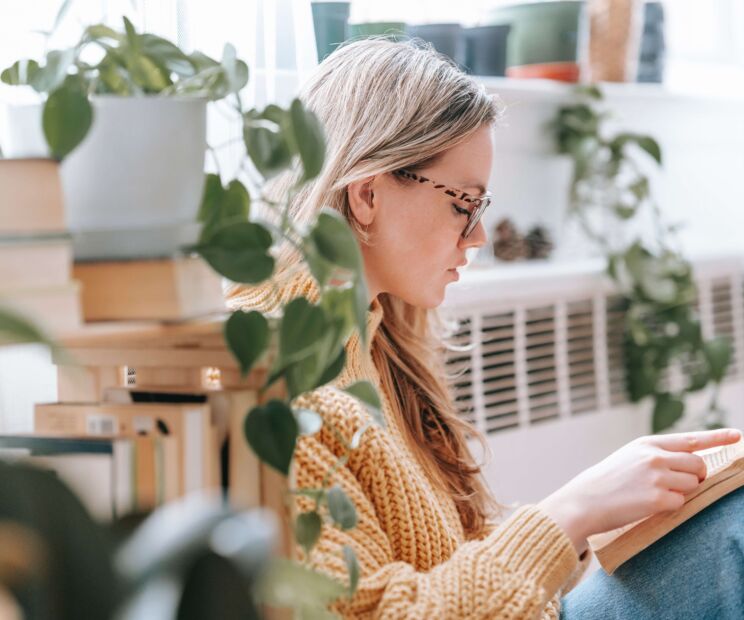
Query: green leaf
{"points": [[302, 327], [335, 241], [166, 55], [101, 31], [115, 78], [240, 252], [16, 329], [63, 10], [589, 90], [236, 201], [333, 369], [308, 138], [236, 71], [361, 306], [640, 188], [352, 566], [341, 508], [647, 143], [131, 33], [146, 74], [320, 268], [220, 206], [267, 147], [356, 438], [366, 392], [21, 72], [211, 199], [247, 335], [307, 529], [288, 584], [202, 61], [53, 73], [718, 354], [66, 119], [624, 212], [667, 410], [339, 303], [308, 421], [271, 430]]}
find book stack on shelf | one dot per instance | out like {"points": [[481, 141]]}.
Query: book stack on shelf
{"points": [[150, 403], [35, 248]]}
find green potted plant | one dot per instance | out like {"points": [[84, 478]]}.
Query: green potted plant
{"points": [[608, 191], [130, 127]]}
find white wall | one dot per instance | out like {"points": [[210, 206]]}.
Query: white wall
{"points": [[702, 140]]}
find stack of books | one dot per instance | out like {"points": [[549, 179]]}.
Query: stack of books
{"points": [[119, 454], [167, 289], [35, 249]]}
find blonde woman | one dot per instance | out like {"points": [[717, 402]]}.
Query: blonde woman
{"points": [[409, 158]]}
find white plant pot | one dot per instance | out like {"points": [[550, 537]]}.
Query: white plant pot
{"points": [[132, 187]]}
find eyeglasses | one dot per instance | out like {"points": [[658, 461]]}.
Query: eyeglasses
{"points": [[479, 204]]}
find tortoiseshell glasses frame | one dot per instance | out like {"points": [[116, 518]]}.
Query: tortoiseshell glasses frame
{"points": [[478, 203]]}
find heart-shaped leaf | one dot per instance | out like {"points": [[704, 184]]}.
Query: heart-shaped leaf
{"points": [[366, 392], [667, 410], [308, 421], [271, 430], [341, 508], [289, 584], [352, 567], [20, 72], [66, 118], [308, 139], [336, 242], [266, 146], [718, 354], [240, 252], [302, 327], [247, 334], [307, 529]]}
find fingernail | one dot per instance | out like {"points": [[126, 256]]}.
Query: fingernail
{"points": [[732, 434]]}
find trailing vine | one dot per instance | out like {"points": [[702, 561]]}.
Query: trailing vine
{"points": [[307, 340], [611, 194]]}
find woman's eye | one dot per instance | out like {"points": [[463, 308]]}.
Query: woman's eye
{"points": [[460, 210]]}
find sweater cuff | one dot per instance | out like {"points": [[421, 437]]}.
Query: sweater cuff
{"points": [[535, 546]]}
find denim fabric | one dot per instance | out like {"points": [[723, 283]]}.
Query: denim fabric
{"points": [[695, 572]]}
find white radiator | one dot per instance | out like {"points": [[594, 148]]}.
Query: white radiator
{"points": [[538, 366]]}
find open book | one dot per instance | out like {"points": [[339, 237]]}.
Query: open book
{"points": [[725, 474]]}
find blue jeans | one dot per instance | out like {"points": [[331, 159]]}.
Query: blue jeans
{"points": [[695, 572]]}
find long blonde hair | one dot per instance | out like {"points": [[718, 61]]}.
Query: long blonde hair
{"points": [[386, 105]]}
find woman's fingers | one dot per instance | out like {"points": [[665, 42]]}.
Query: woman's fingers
{"points": [[690, 442], [680, 482], [686, 462]]}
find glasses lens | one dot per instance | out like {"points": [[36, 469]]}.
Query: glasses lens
{"points": [[475, 217]]}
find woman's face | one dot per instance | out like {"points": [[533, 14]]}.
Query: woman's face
{"points": [[415, 229]]}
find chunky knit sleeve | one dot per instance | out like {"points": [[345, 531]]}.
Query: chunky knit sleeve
{"points": [[513, 573]]}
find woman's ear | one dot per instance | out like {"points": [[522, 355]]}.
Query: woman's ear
{"points": [[362, 200]]}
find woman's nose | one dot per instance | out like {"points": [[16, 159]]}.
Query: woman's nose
{"points": [[476, 239]]}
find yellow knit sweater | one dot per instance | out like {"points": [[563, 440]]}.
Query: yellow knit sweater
{"points": [[409, 540]]}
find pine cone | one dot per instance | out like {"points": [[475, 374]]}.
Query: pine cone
{"points": [[539, 243], [509, 244]]}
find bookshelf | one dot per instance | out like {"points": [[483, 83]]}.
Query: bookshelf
{"points": [[179, 358]]}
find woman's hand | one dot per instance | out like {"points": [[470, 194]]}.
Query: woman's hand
{"points": [[648, 475]]}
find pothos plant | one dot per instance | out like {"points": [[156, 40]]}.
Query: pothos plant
{"points": [[609, 191], [108, 62], [307, 338]]}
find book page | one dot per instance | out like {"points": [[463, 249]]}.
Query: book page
{"points": [[717, 459]]}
